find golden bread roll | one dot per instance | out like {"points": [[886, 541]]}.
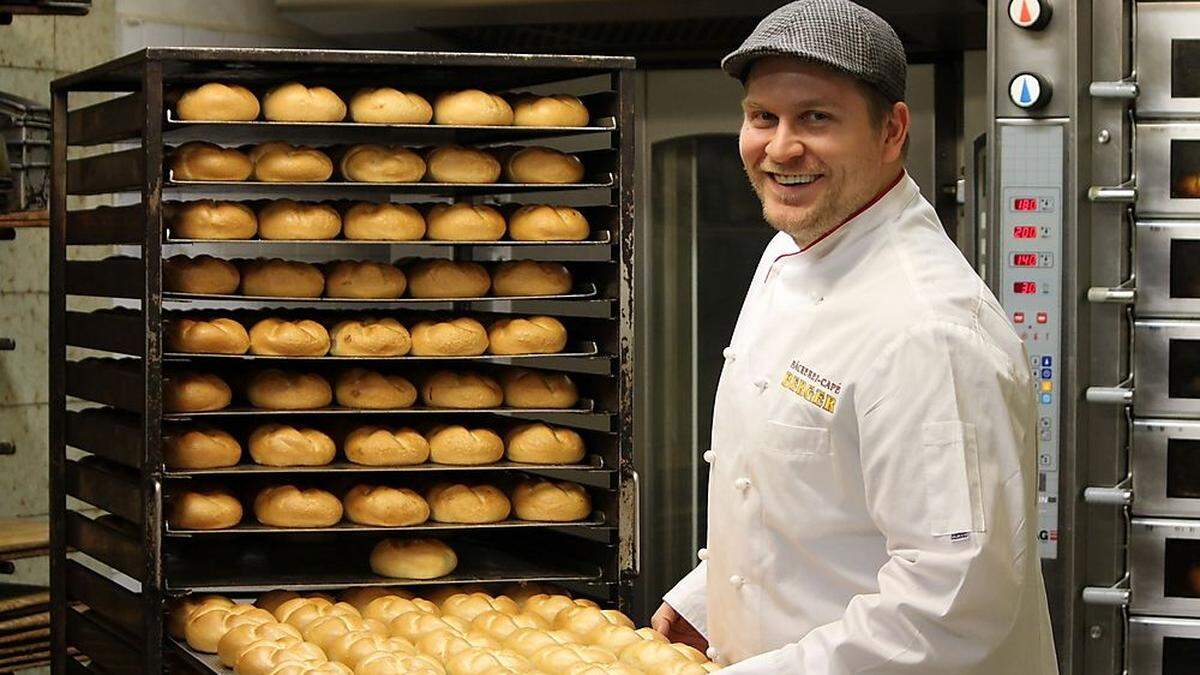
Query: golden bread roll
{"points": [[207, 625], [467, 606], [369, 163], [385, 506], [280, 162], [462, 390], [694, 655], [617, 668], [558, 110], [648, 633], [370, 337], [438, 594], [413, 626], [612, 637], [195, 392], [215, 509], [273, 336], [499, 625], [539, 443], [305, 668], [531, 277], [543, 165], [472, 107], [649, 654], [205, 161], [465, 222], [273, 599], [388, 663], [541, 222], [548, 606], [461, 503], [300, 612], [384, 222], [324, 630], [367, 389], [521, 591], [461, 336], [294, 102], [364, 279], [447, 279], [284, 219], [551, 501], [525, 388], [276, 278], [200, 448], [208, 219], [284, 445], [218, 102], [385, 105], [382, 446], [1187, 186], [460, 446], [456, 164], [264, 656], [207, 336], [582, 620], [529, 641], [476, 661], [441, 645], [241, 637], [362, 596], [275, 389], [413, 559], [289, 506], [533, 335], [182, 608], [352, 648], [204, 275], [388, 607], [557, 658]]}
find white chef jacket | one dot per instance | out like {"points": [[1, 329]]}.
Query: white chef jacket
{"points": [[873, 465]]}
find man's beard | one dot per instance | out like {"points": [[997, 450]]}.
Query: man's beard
{"points": [[805, 227]]}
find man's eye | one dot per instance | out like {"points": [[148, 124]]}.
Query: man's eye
{"points": [[760, 116], [817, 116]]}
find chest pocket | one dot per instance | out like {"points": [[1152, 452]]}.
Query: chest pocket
{"points": [[800, 481], [792, 440]]}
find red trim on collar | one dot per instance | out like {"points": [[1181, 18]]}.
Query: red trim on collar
{"points": [[849, 218]]}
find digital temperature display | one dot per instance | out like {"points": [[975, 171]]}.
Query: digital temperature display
{"points": [[1025, 204], [1025, 232], [1025, 259], [1025, 287]]}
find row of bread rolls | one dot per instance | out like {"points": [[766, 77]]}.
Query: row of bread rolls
{"points": [[360, 388], [383, 505], [285, 219], [281, 162], [283, 445], [368, 336], [295, 102], [364, 280], [389, 631]]}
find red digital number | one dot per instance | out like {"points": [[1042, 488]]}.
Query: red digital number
{"points": [[1025, 287], [1025, 204], [1025, 260], [1025, 232]]}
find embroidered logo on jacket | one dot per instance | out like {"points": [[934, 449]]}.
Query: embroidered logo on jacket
{"points": [[811, 386]]}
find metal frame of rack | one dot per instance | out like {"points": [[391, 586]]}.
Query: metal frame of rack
{"points": [[110, 593]]}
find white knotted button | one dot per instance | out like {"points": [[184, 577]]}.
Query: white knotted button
{"points": [[712, 653], [737, 580], [762, 384], [702, 554], [729, 354], [709, 456], [742, 484]]}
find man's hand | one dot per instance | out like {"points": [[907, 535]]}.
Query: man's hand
{"points": [[668, 622]]}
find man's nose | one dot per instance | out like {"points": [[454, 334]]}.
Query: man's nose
{"points": [[785, 145]]}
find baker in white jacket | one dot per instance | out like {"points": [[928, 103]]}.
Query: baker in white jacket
{"points": [[873, 480]]}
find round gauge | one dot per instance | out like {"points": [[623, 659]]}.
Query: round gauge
{"points": [[1030, 14]]}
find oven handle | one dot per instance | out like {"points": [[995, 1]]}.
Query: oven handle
{"points": [[1110, 496], [1121, 89], [1121, 395], [1112, 596], [1120, 295], [1125, 193]]}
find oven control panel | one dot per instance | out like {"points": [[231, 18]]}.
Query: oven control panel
{"points": [[1030, 274]]}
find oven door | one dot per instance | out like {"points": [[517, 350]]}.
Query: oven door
{"points": [[1166, 468], [1168, 59], [1168, 168], [1166, 368], [1168, 276], [1164, 567], [1163, 646]]}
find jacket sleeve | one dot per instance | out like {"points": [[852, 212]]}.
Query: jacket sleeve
{"points": [[689, 598], [946, 423]]}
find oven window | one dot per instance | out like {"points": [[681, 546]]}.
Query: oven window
{"points": [[1185, 168], [1180, 655], [1183, 468], [1183, 380], [1185, 272], [1185, 68], [1181, 574]]}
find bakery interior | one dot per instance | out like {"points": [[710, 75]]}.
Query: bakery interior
{"points": [[421, 378]]}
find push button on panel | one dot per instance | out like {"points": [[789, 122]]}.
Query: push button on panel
{"points": [[1028, 91], [1029, 14]]}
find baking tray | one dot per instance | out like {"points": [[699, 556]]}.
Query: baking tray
{"points": [[584, 291], [584, 350], [339, 187], [585, 406], [595, 463], [598, 238], [594, 522]]}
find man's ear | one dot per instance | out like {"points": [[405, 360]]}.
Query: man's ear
{"points": [[895, 129]]}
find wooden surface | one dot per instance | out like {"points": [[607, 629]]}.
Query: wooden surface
{"points": [[25, 219], [22, 535]]}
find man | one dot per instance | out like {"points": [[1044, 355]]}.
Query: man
{"points": [[872, 492]]}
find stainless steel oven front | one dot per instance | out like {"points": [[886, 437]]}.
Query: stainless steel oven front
{"points": [[1168, 59], [1168, 276], [1166, 468], [1166, 368], [1163, 646], [1168, 169], [1164, 567]]}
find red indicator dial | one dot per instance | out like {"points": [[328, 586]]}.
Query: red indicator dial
{"points": [[1025, 204], [1025, 260], [1025, 287], [1025, 232]]}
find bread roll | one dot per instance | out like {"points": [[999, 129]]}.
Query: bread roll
{"points": [[524, 388], [447, 279], [464, 390], [413, 559], [465, 222], [1187, 186], [370, 163], [612, 637], [472, 107], [280, 162], [300, 612], [370, 337], [206, 626], [207, 336], [275, 278], [264, 656], [385, 105], [284, 219], [283, 445], [531, 277], [455, 337], [208, 219], [205, 161], [533, 335], [540, 222], [500, 625], [468, 504], [367, 389], [529, 641], [476, 661], [522, 591], [388, 607], [294, 102], [413, 626], [548, 607], [385, 506], [650, 654], [186, 392], [275, 389], [540, 443], [215, 509], [217, 102], [203, 275], [384, 222], [543, 165], [352, 648], [617, 668], [543, 500], [271, 600], [362, 596], [386, 663], [441, 645], [273, 336], [456, 164], [182, 608], [467, 606], [459, 446], [557, 658], [694, 655], [364, 279], [324, 630], [241, 637], [381, 446], [289, 506], [559, 110], [201, 448], [304, 668]]}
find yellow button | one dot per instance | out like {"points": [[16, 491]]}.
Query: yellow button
{"points": [[1047, 385]]}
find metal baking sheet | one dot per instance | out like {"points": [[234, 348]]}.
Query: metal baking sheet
{"points": [[598, 238], [602, 124], [583, 292], [595, 463], [595, 521], [583, 350], [605, 181], [586, 406]]}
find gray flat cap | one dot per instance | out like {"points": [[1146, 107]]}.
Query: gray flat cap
{"points": [[836, 33]]}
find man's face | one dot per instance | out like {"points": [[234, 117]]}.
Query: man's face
{"points": [[809, 146]]}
